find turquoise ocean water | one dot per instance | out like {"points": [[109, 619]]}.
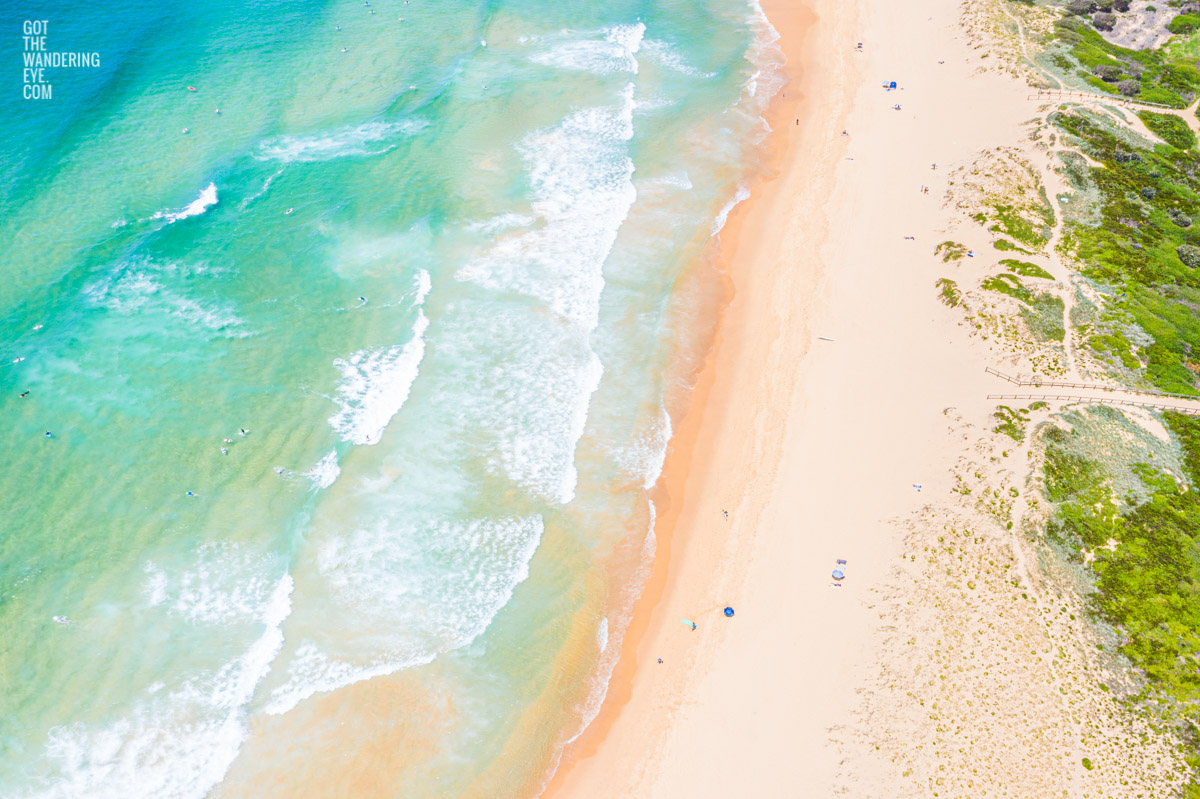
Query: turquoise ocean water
{"points": [[443, 263]]}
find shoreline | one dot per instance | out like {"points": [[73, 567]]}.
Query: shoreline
{"points": [[845, 405], [704, 420]]}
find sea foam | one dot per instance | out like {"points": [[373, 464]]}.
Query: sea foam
{"points": [[207, 199], [613, 53], [376, 383], [667, 55], [325, 473], [179, 742], [413, 588], [372, 138], [582, 189], [741, 195], [141, 288]]}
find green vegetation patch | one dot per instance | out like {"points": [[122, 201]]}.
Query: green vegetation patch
{"points": [[1146, 247], [1043, 312], [950, 251], [1008, 284], [1026, 269], [1129, 502], [1011, 422], [1170, 128], [1006, 245], [948, 292], [1154, 76], [1184, 23], [1044, 316]]}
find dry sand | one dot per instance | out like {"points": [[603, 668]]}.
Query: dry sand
{"points": [[949, 663]]}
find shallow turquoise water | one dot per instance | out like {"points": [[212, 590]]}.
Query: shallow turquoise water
{"points": [[440, 278]]}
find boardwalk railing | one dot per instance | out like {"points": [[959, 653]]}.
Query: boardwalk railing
{"points": [[1089, 386], [1068, 94], [1098, 400]]}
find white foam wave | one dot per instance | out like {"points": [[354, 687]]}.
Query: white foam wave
{"points": [[207, 199], [610, 653], [311, 672], [326, 472], [666, 54], [602, 635], [376, 383], [227, 583], [137, 288], [423, 586], [739, 196], [767, 57], [679, 181], [613, 53], [642, 457], [581, 180], [266, 185], [498, 224], [178, 743], [372, 138]]}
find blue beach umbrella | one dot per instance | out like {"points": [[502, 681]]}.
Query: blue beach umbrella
{"points": [[838, 574], [728, 611]]}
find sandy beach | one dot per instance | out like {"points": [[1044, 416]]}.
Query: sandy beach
{"points": [[838, 385]]}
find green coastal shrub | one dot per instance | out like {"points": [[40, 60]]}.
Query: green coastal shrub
{"points": [[1006, 245], [1154, 75], [1184, 23], [950, 251], [1130, 88], [1170, 128], [1146, 584], [948, 292], [1141, 250], [1026, 269], [1007, 284]]}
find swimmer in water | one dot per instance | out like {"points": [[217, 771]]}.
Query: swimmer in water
{"points": [[185, 130], [362, 299], [345, 50], [38, 326], [49, 434], [288, 211], [191, 494], [243, 431], [24, 394], [228, 440], [339, 27], [224, 450], [218, 111]]}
